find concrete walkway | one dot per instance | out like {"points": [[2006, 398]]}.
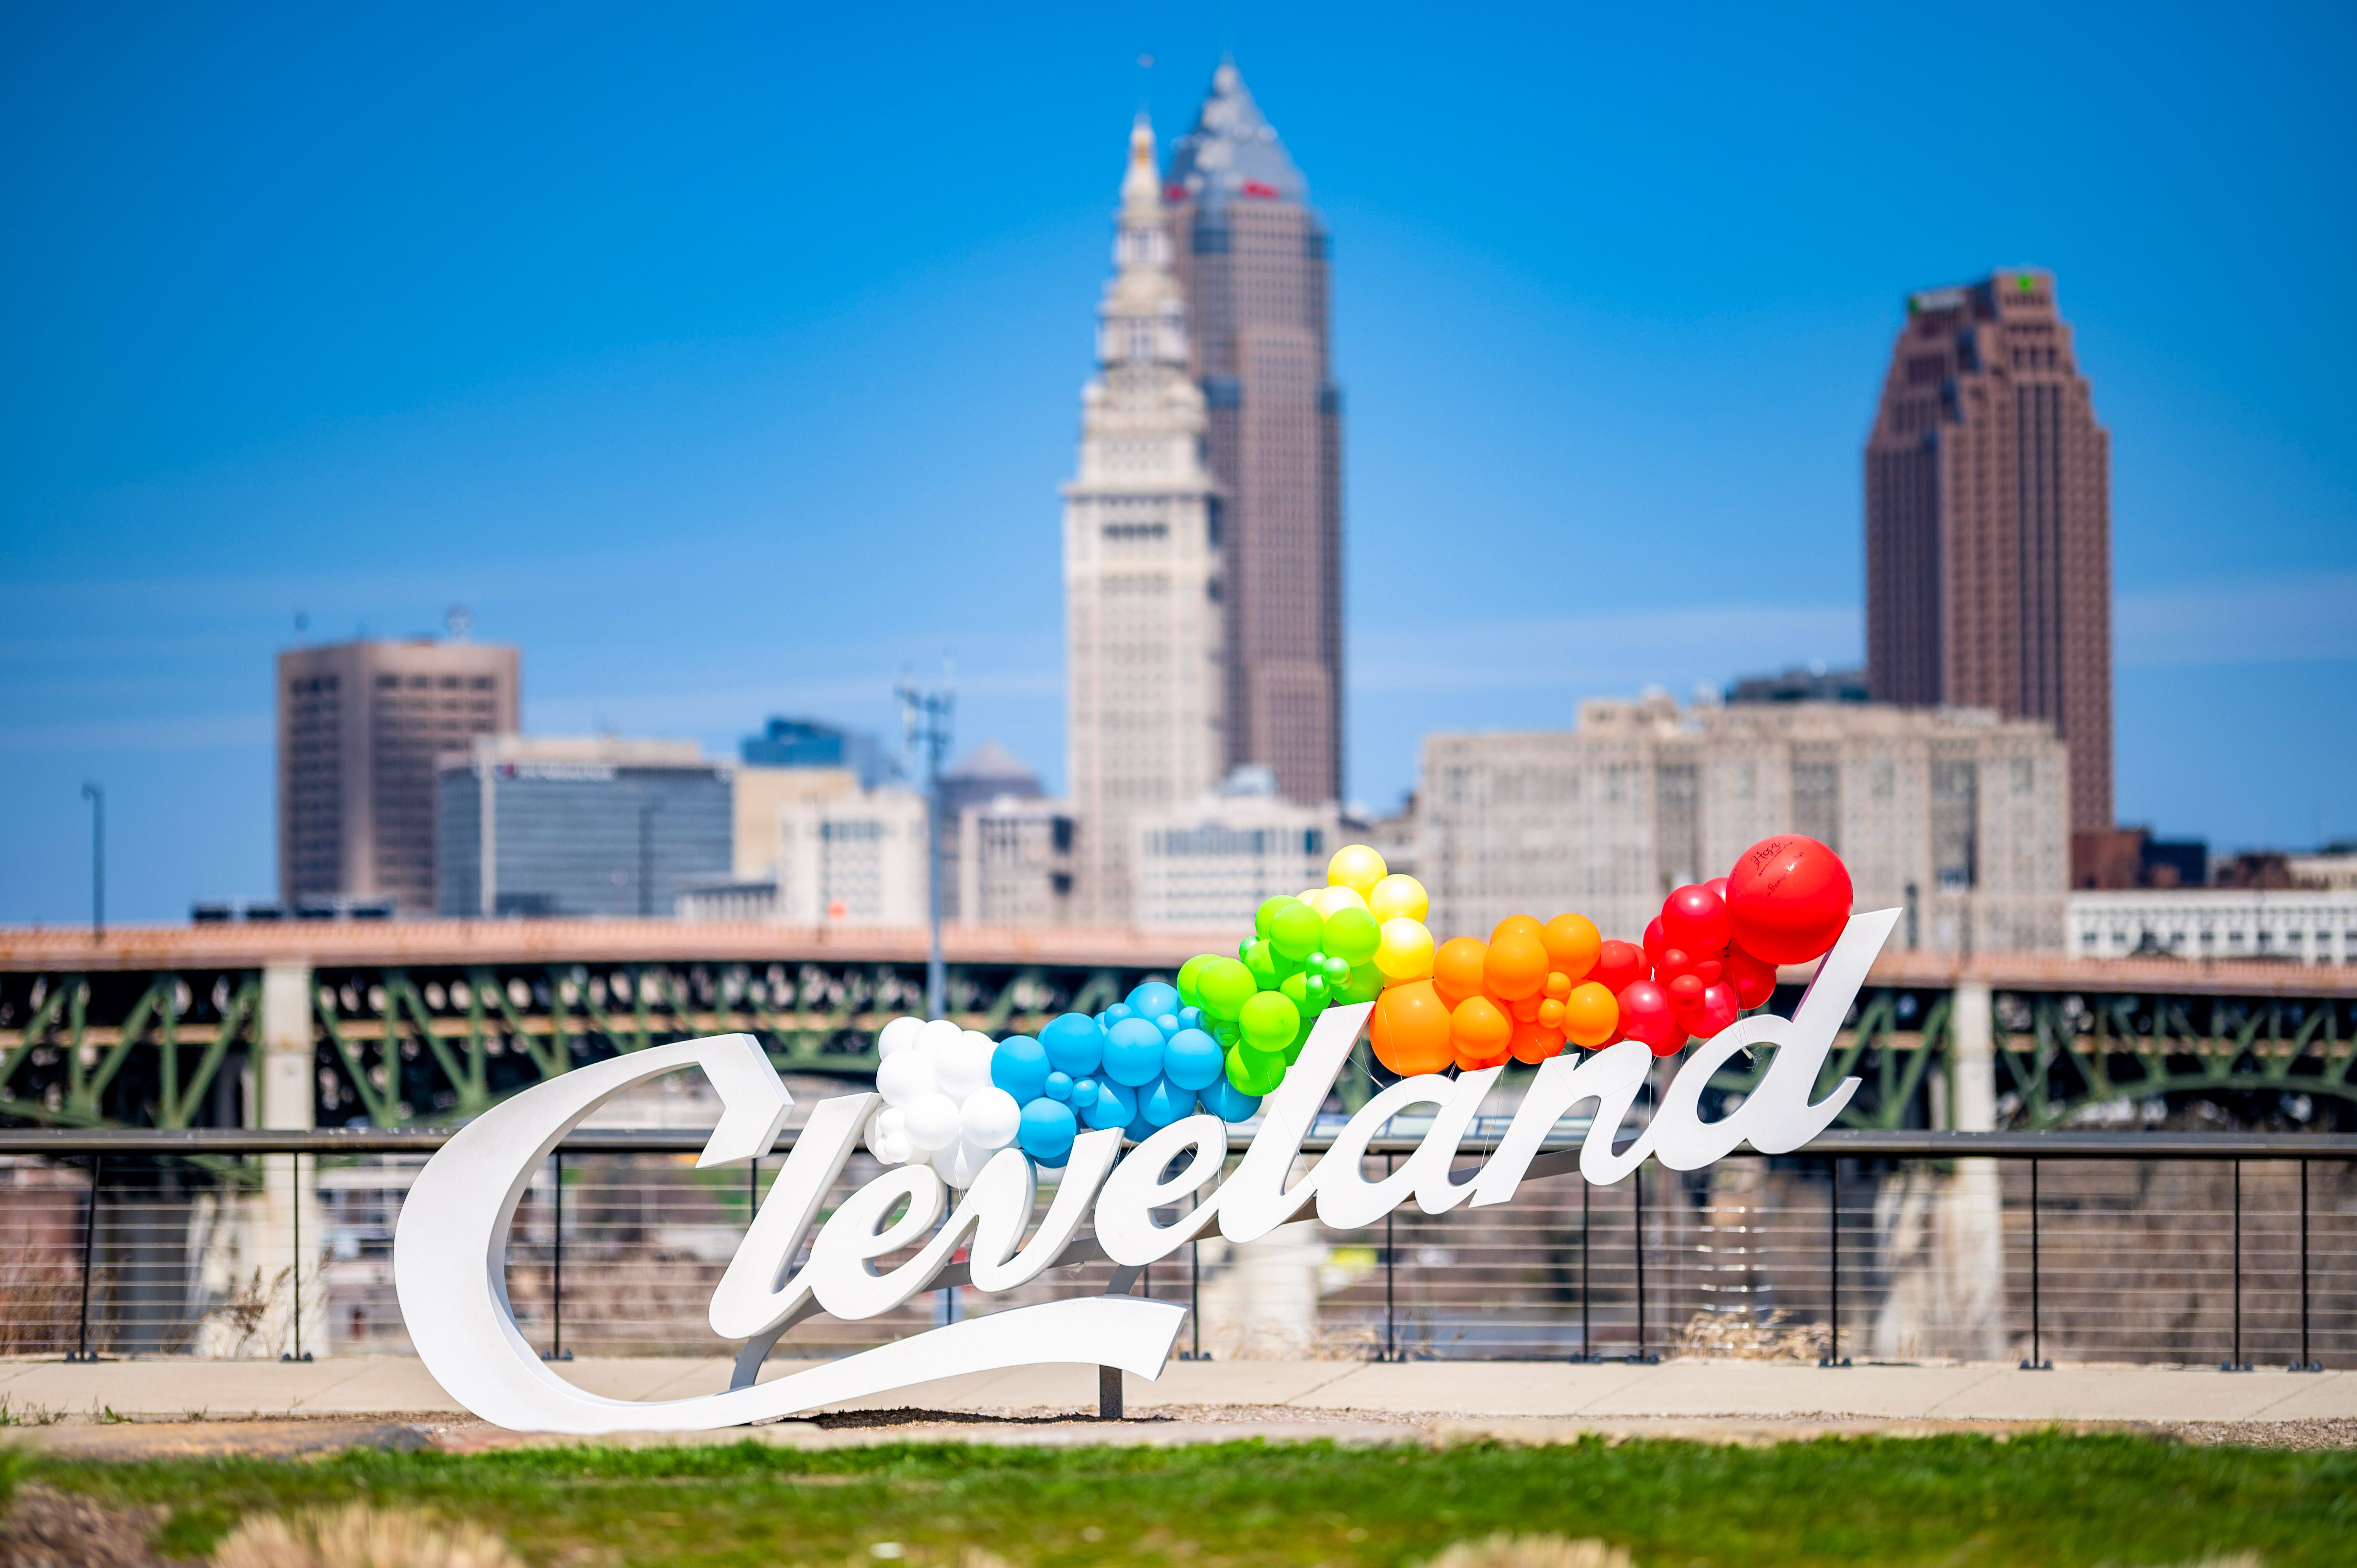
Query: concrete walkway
{"points": [[1268, 1390]]}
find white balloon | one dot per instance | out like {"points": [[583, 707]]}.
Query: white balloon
{"points": [[989, 1118], [888, 1128], [892, 1151], [963, 1064], [897, 1036], [961, 1163], [932, 1122], [936, 1034], [904, 1079]]}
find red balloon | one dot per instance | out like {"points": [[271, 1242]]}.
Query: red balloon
{"points": [[1754, 978], [1694, 919], [1618, 966], [1657, 937], [1788, 899], [1685, 990], [1671, 962], [1712, 1009], [1718, 886], [1645, 1015], [1710, 970]]}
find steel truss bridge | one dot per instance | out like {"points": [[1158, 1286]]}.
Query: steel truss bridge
{"points": [[416, 1024]]}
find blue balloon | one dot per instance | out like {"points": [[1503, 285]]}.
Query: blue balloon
{"points": [[1168, 1023], [1047, 1131], [1193, 1060], [1058, 1086], [1193, 1018], [1084, 1093], [1137, 1131], [1229, 1103], [1075, 1045], [1165, 1102], [1019, 1065], [1115, 1014], [1132, 1053], [1153, 999], [1114, 1106]]}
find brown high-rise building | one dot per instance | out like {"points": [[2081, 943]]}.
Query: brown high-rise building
{"points": [[1989, 575], [360, 727], [1250, 258]]}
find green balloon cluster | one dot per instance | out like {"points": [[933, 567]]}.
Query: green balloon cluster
{"points": [[1260, 1003]]}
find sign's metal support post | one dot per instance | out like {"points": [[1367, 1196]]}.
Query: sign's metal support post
{"points": [[1108, 1393], [1586, 1341], [1833, 1272], [2307, 1363], [1391, 1282], [88, 1256], [1640, 1356], [299, 1353]]}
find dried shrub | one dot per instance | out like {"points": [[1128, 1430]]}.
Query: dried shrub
{"points": [[1503, 1550], [358, 1536], [40, 1303], [1742, 1337]]}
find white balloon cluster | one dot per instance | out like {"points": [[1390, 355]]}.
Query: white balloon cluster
{"points": [[939, 1107]]}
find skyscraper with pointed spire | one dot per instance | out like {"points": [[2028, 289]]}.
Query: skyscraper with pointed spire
{"points": [[1146, 642], [1251, 259]]}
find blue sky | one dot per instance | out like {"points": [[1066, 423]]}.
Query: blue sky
{"points": [[727, 360]]}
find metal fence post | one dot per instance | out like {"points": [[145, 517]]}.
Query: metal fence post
{"points": [[88, 1252], [1640, 1240], [2036, 1361], [2305, 1363], [2235, 1362], [295, 1193], [1390, 1258], [557, 1350], [1833, 1271], [1586, 1341]]}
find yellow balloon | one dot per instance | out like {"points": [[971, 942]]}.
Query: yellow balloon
{"points": [[1326, 900], [1357, 866], [1398, 897], [1403, 951]]}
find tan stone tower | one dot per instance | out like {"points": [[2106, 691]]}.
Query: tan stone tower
{"points": [[1253, 261], [1989, 578], [1141, 563]]}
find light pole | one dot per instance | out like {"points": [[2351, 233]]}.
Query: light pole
{"points": [[97, 798], [925, 719]]}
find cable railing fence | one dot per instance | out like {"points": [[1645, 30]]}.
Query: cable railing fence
{"points": [[2231, 1250]]}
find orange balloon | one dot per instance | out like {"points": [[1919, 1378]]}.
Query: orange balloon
{"points": [[1409, 1029], [1533, 1042], [1515, 966], [1591, 1016], [1558, 985], [1524, 1010], [1456, 969], [1479, 1034], [1521, 923], [1573, 943], [1551, 1014]]}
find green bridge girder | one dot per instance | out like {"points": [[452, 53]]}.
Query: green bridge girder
{"points": [[399, 1046]]}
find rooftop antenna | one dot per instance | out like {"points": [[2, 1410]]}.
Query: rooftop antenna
{"points": [[925, 718]]}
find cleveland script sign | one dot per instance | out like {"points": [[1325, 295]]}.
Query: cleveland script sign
{"points": [[450, 1250]]}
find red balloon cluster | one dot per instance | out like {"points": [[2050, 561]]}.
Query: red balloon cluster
{"points": [[1713, 949]]}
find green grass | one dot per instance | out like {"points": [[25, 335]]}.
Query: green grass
{"points": [[2043, 1500]]}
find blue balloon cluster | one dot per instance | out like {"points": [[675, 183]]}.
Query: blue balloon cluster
{"points": [[1139, 1065]]}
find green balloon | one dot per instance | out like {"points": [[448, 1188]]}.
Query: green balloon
{"points": [[1225, 987], [1190, 974], [1351, 935], [1296, 930], [1260, 960], [1265, 918], [1256, 1072], [1225, 1031], [1306, 992], [1366, 983], [1269, 1020], [1300, 1038]]}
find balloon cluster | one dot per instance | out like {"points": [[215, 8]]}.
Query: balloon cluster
{"points": [[941, 1106], [1532, 988], [1343, 943]]}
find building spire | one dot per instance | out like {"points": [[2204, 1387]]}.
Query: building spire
{"points": [[1141, 187]]}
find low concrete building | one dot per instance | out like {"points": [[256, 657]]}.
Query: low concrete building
{"points": [[1208, 865], [2298, 924], [1013, 865], [858, 860], [1955, 815], [762, 793]]}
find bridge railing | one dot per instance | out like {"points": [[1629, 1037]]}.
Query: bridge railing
{"points": [[2213, 1249]]}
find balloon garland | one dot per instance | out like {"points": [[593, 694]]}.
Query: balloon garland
{"points": [[1222, 1037]]}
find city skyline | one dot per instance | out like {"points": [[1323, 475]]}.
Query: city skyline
{"points": [[1576, 328]]}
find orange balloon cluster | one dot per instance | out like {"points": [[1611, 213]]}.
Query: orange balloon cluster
{"points": [[1521, 996]]}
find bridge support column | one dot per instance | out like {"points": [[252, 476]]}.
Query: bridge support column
{"points": [[287, 1232], [1944, 1236]]}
